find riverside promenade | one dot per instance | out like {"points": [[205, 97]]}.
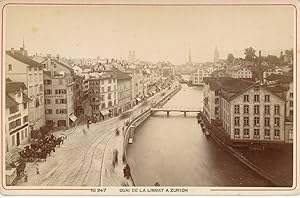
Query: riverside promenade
{"points": [[85, 158]]}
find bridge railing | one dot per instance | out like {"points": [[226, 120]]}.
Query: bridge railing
{"points": [[179, 108]]}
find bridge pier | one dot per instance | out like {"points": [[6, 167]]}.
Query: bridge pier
{"points": [[184, 113], [168, 113]]}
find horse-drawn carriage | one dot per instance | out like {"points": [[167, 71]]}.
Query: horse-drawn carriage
{"points": [[41, 148]]}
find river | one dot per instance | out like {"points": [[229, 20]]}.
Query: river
{"points": [[174, 152]]}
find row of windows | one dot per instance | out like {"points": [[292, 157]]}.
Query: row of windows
{"points": [[102, 82], [103, 105], [256, 121], [256, 133], [57, 91], [256, 98], [256, 109], [24, 134], [16, 123], [58, 111]]}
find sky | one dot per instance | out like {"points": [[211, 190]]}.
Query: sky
{"points": [[154, 33]]}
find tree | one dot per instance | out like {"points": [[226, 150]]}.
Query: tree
{"points": [[230, 58], [289, 55], [250, 54]]}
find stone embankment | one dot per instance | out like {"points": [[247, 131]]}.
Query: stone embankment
{"points": [[112, 172]]}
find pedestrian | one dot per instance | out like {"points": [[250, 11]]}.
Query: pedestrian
{"points": [[25, 176], [37, 169], [126, 171]]}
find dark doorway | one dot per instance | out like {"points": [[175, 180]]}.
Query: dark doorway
{"points": [[18, 139]]}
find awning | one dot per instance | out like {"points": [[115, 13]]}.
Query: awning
{"points": [[138, 99], [104, 112], [73, 117]]}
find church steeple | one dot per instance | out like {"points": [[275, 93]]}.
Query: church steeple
{"points": [[216, 55], [23, 43]]}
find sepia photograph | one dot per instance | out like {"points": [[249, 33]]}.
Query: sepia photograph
{"points": [[146, 99]]}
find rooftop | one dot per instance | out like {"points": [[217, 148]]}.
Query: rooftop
{"points": [[24, 59], [280, 78], [14, 86]]}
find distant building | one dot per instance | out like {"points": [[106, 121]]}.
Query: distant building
{"points": [[268, 72], [197, 76], [20, 68], [240, 72], [16, 115]]}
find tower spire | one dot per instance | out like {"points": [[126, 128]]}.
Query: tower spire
{"points": [[23, 43], [190, 56]]}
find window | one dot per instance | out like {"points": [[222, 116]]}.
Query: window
{"points": [[25, 105], [48, 92], [267, 122], [109, 103], [256, 98], [47, 82], [267, 133], [13, 109], [41, 87], [25, 119], [276, 134], [47, 101], [103, 106], [291, 103], [102, 89], [246, 121], [237, 109], [290, 134], [256, 133], [61, 111], [277, 121], [109, 96], [61, 101], [9, 67], [256, 109], [246, 109], [108, 89], [217, 101], [25, 132], [102, 97], [236, 121], [22, 135], [267, 109], [246, 133], [291, 95], [276, 109], [236, 133], [291, 112], [48, 111], [246, 98], [60, 91], [13, 140], [267, 98], [256, 121], [18, 122]]}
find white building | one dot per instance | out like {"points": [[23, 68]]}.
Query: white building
{"points": [[268, 72], [198, 75], [20, 68], [16, 115], [241, 72]]}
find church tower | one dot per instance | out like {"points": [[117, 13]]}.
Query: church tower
{"points": [[216, 55], [190, 56]]}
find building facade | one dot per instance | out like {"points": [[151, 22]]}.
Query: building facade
{"points": [[198, 75], [254, 114], [16, 115], [19, 67]]}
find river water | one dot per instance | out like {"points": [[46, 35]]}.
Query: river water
{"points": [[175, 152]]}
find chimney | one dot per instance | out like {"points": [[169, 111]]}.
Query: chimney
{"points": [[22, 51], [12, 50]]}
